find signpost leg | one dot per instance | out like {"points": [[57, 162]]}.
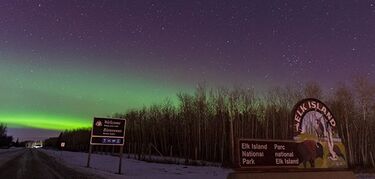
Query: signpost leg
{"points": [[89, 157], [120, 162]]}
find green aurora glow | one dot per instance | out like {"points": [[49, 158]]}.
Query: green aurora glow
{"points": [[57, 97]]}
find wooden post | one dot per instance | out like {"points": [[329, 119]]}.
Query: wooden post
{"points": [[120, 162], [89, 157]]}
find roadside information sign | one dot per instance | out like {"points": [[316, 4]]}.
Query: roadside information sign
{"points": [[108, 131]]}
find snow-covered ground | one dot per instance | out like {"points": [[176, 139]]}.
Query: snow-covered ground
{"points": [[106, 166], [10, 150], [8, 154]]}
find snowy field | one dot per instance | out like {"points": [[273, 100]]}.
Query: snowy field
{"points": [[106, 166]]}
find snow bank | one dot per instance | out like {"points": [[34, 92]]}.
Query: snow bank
{"points": [[107, 166]]}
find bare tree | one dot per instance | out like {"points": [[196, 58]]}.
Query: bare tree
{"points": [[313, 90], [365, 96]]}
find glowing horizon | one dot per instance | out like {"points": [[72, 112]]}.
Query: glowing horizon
{"points": [[69, 98]]}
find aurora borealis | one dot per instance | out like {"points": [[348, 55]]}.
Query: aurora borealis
{"points": [[68, 98], [63, 62]]}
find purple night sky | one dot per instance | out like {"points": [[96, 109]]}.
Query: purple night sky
{"points": [[109, 56]]}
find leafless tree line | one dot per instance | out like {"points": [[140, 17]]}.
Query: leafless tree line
{"points": [[204, 124]]}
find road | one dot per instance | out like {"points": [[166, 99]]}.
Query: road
{"points": [[32, 163]]}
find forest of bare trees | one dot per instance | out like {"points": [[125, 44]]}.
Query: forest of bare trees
{"points": [[199, 128]]}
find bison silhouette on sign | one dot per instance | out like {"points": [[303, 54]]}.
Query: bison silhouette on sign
{"points": [[309, 151]]}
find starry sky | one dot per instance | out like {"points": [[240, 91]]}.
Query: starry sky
{"points": [[63, 62]]}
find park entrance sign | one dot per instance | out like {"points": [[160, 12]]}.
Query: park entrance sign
{"points": [[315, 123], [107, 131], [268, 153], [315, 144]]}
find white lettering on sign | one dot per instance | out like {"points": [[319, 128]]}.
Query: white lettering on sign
{"points": [[267, 153], [286, 161], [245, 146], [291, 161], [284, 154], [259, 146], [112, 122], [279, 161], [311, 105], [248, 161], [252, 154], [279, 147], [112, 130]]}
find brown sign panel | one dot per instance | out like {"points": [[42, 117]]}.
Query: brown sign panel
{"points": [[108, 131], [267, 153]]}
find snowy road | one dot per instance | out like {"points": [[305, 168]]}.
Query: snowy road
{"points": [[9, 154], [31, 163]]}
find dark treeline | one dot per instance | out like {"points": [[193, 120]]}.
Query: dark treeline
{"points": [[199, 128], [5, 140], [77, 140]]}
